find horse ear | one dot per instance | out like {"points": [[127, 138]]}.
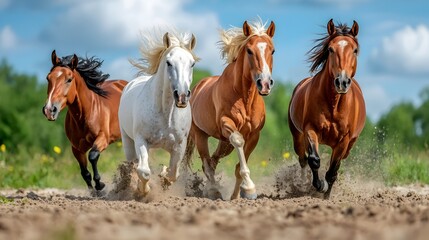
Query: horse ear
{"points": [[331, 27], [55, 60], [246, 29], [74, 61], [166, 40], [192, 43], [271, 29], [355, 29]]}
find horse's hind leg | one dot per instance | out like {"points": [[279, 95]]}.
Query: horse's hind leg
{"points": [[129, 147], [81, 158], [201, 141]]}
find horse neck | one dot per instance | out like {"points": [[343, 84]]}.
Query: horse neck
{"points": [[243, 83], [162, 102], [82, 104]]}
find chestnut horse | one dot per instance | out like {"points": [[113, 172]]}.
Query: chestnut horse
{"points": [[230, 107], [92, 116], [328, 108]]}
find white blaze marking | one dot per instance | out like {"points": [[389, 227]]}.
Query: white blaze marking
{"points": [[265, 69], [342, 44], [59, 74]]}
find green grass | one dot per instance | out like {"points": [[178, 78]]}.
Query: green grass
{"points": [[406, 169], [31, 169]]}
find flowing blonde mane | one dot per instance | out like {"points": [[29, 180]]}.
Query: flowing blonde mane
{"points": [[153, 49], [233, 39]]}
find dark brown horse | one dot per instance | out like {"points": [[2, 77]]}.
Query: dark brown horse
{"points": [[92, 116], [230, 107], [328, 108]]}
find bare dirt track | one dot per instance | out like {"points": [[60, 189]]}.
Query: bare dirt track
{"points": [[353, 212]]}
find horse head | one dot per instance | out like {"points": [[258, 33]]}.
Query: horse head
{"points": [[178, 67], [259, 50], [61, 86], [342, 55]]}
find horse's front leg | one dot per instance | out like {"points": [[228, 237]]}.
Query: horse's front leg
{"points": [[171, 173], [339, 152], [247, 187], [314, 161], [99, 145], [143, 170]]}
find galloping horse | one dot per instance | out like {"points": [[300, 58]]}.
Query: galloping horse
{"points": [[154, 110], [230, 107], [92, 119], [328, 108]]}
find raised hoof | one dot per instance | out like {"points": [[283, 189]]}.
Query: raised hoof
{"points": [[248, 194], [100, 186]]}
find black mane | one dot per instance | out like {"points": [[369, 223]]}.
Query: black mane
{"points": [[319, 53], [88, 68]]}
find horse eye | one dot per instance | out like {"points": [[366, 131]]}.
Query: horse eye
{"points": [[330, 49], [272, 53], [249, 51], [169, 64], [355, 51], [69, 80], [193, 64]]}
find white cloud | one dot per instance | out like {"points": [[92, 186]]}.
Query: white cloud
{"points": [[7, 38], [102, 25], [405, 52], [317, 3]]}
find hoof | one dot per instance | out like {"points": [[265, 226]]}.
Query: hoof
{"points": [[142, 189], [248, 194], [100, 186], [323, 186], [213, 194]]}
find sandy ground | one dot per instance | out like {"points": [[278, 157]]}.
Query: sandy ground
{"points": [[356, 210]]}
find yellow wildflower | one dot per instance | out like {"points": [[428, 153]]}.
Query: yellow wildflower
{"points": [[264, 163], [3, 148], [119, 144], [286, 155], [57, 150]]}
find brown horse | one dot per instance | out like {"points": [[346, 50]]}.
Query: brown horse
{"points": [[92, 116], [230, 107], [328, 108]]}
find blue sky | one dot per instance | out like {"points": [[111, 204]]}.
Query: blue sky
{"points": [[393, 64]]}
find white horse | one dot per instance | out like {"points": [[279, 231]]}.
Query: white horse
{"points": [[154, 110]]}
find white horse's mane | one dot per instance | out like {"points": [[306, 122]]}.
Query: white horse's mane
{"points": [[152, 48], [233, 39]]}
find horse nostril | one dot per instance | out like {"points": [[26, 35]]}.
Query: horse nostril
{"points": [[349, 81], [337, 82], [188, 94], [259, 83], [176, 94], [43, 110], [54, 109], [271, 82]]}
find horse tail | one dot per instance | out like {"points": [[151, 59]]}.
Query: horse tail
{"points": [[190, 145]]}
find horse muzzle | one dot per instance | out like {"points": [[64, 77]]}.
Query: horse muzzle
{"points": [[181, 99], [51, 112], [264, 86], [342, 84]]}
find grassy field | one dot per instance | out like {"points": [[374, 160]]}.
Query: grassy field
{"points": [[59, 169]]}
